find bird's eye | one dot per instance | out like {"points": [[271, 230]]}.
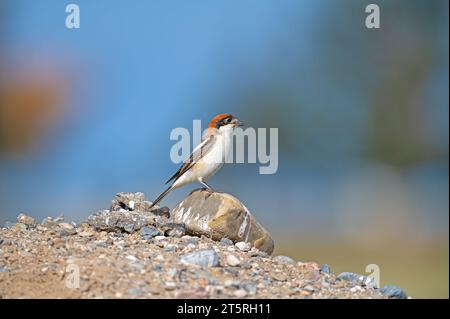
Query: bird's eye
{"points": [[228, 120]]}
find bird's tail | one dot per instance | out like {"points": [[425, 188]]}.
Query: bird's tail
{"points": [[160, 197]]}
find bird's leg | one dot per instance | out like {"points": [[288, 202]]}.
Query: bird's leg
{"points": [[207, 187]]}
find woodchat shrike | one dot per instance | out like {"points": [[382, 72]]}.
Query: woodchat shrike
{"points": [[208, 157]]}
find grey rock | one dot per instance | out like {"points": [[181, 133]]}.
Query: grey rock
{"points": [[250, 287], [162, 211], [116, 221], [325, 269], [284, 259], [49, 222], [174, 230], [26, 220], [130, 202], [355, 278], [220, 215], [205, 258], [148, 232], [393, 292], [226, 242]]}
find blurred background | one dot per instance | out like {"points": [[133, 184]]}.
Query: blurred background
{"points": [[363, 118]]}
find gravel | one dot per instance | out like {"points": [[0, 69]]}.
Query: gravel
{"points": [[127, 252]]}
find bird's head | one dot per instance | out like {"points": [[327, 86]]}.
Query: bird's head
{"points": [[224, 121]]}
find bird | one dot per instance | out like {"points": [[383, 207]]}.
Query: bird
{"points": [[207, 157]]}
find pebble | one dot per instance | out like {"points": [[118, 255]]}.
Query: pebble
{"points": [[233, 261], [325, 269], [148, 232], [243, 246], [170, 285], [26, 220], [174, 230], [284, 259], [278, 276], [250, 288], [226, 242], [391, 291], [48, 222], [206, 258], [240, 293], [313, 275], [232, 283], [352, 277]]}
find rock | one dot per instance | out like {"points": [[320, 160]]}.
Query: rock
{"points": [[284, 260], [325, 269], [250, 288], [174, 230], [393, 292], [49, 222], [278, 276], [220, 215], [312, 275], [240, 293], [170, 285], [358, 279], [130, 202], [148, 232], [162, 211], [116, 221], [26, 220], [205, 258], [233, 261], [226, 242], [243, 246], [67, 229]]}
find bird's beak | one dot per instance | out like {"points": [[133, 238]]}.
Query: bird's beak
{"points": [[237, 123]]}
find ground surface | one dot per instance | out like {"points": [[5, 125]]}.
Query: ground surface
{"points": [[44, 261]]}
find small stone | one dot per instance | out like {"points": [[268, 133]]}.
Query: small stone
{"points": [[170, 285], [174, 230], [278, 276], [284, 259], [205, 258], [48, 222], [391, 291], [162, 211], [233, 261], [250, 288], [129, 228], [229, 283], [240, 293], [325, 269], [313, 275], [148, 232], [161, 237], [226, 242], [360, 279], [131, 258], [26, 220], [243, 246]]}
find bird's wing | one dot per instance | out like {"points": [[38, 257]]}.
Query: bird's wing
{"points": [[201, 150]]}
